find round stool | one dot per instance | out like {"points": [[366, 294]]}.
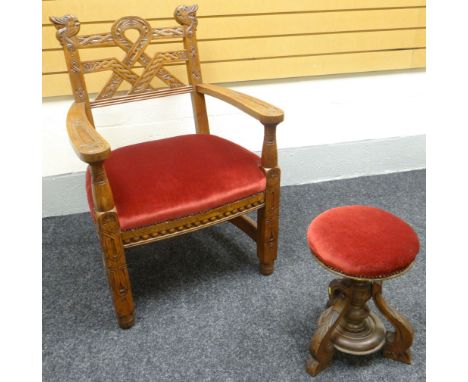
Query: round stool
{"points": [[365, 245]]}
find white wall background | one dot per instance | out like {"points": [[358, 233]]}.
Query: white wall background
{"points": [[318, 111]]}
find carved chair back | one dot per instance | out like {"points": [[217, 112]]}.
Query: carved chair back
{"points": [[154, 66]]}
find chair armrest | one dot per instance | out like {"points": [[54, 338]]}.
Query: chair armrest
{"points": [[264, 112], [86, 141]]}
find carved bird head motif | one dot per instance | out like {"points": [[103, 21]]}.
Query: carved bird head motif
{"points": [[69, 23], [186, 14]]}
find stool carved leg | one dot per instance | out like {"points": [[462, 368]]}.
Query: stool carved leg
{"points": [[321, 345], [397, 345]]}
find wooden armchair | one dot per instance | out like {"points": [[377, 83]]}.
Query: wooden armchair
{"points": [[155, 190]]}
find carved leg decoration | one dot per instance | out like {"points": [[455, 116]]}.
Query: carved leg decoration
{"points": [[321, 345], [113, 253], [398, 343], [268, 216], [116, 266], [268, 224]]}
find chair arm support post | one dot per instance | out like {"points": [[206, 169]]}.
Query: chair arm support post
{"points": [[102, 194], [269, 150]]}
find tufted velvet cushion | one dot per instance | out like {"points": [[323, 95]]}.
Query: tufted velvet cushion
{"points": [[170, 178], [362, 241]]}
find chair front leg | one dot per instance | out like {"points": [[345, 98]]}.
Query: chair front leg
{"points": [[268, 215], [113, 254], [268, 224]]}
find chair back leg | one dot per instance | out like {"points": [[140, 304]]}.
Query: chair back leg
{"points": [[268, 223], [116, 266]]}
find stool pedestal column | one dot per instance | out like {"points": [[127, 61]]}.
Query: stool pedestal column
{"points": [[361, 331]]}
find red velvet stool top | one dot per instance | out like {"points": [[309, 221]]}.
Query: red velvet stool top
{"points": [[362, 242]]}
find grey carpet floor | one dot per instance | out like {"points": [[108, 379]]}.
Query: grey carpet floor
{"points": [[204, 313]]}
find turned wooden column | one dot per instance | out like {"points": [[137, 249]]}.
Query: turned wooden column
{"points": [[361, 331]]}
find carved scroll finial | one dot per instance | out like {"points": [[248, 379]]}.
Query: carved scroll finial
{"points": [[187, 15], [67, 27]]}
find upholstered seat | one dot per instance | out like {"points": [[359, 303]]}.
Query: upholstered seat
{"points": [[166, 179], [362, 241], [170, 178]]}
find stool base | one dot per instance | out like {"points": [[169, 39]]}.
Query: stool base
{"points": [[366, 341], [348, 325]]}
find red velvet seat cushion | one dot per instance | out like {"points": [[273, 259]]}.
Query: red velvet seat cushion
{"points": [[170, 178], [362, 241]]}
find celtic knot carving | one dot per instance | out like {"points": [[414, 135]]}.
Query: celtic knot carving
{"points": [[174, 56], [196, 75], [134, 51], [140, 83], [113, 64], [68, 27], [168, 32], [169, 79], [151, 69], [79, 92], [75, 66], [97, 39]]}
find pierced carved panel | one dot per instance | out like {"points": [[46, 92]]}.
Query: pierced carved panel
{"points": [[123, 70]]}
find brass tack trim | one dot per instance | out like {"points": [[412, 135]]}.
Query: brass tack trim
{"points": [[362, 277]]}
